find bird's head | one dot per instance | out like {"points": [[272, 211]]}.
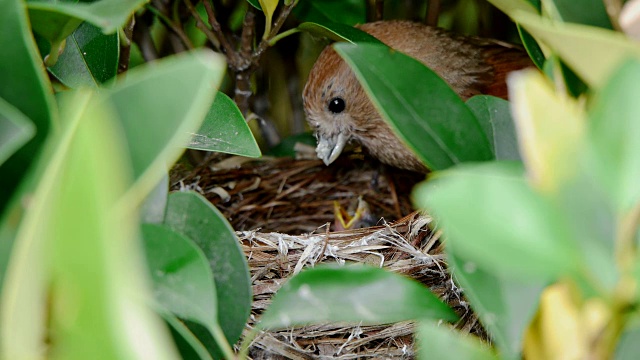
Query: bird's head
{"points": [[336, 106]]}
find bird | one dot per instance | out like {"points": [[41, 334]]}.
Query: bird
{"points": [[339, 111]]}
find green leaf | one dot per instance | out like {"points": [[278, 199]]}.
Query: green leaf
{"points": [[153, 208], [75, 267], [15, 130], [421, 108], [191, 215], [593, 53], [505, 307], [255, 4], [494, 115], [586, 12], [511, 7], [531, 45], [187, 343], [492, 217], [444, 342], [338, 32], [614, 131], [57, 20], [26, 87], [358, 294], [182, 279], [348, 12], [225, 130], [628, 347], [90, 58], [159, 107], [286, 148]]}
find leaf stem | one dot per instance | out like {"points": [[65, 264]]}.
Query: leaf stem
{"points": [[221, 340], [283, 35]]}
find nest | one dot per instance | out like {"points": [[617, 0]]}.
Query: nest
{"points": [[283, 211]]}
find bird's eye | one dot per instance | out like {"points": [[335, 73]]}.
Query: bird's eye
{"points": [[336, 105]]}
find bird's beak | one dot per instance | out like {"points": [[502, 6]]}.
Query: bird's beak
{"points": [[329, 148]]}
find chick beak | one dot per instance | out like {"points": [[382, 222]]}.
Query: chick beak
{"points": [[329, 148]]}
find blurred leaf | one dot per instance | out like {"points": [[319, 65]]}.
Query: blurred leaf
{"points": [[586, 12], [182, 279], [444, 342], [90, 58], [76, 264], [286, 148], [422, 109], [191, 215], [154, 206], [225, 130], [505, 307], [338, 32], [593, 53], [358, 294], [159, 107], [348, 12], [15, 130], [510, 7], [56, 20], [629, 345], [614, 131], [513, 230], [268, 8], [494, 115], [531, 45], [26, 87], [550, 129]]}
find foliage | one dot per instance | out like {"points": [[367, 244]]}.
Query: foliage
{"points": [[541, 230]]}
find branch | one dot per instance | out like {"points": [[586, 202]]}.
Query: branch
{"points": [[171, 26], [227, 48], [202, 26]]}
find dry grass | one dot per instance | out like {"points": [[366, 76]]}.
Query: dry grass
{"points": [[283, 213]]}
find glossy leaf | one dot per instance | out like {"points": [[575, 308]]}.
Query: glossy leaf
{"points": [[191, 215], [593, 53], [75, 266], [159, 107], [421, 108], [514, 230], [15, 130], [24, 86], [550, 130], [444, 342], [57, 20], [187, 343], [338, 32], [255, 4], [90, 58], [348, 12], [182, 279], [614, 131], [357, 294], [587, 12], [532, 47], [225, 130], [494, 115], [505, 307]]}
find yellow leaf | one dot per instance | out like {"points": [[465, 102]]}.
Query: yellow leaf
{"points": [[550, 129], [268, 7], [592, 52], [565, 326]]}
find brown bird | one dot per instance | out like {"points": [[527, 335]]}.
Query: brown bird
{"points": [[339, 111]]}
